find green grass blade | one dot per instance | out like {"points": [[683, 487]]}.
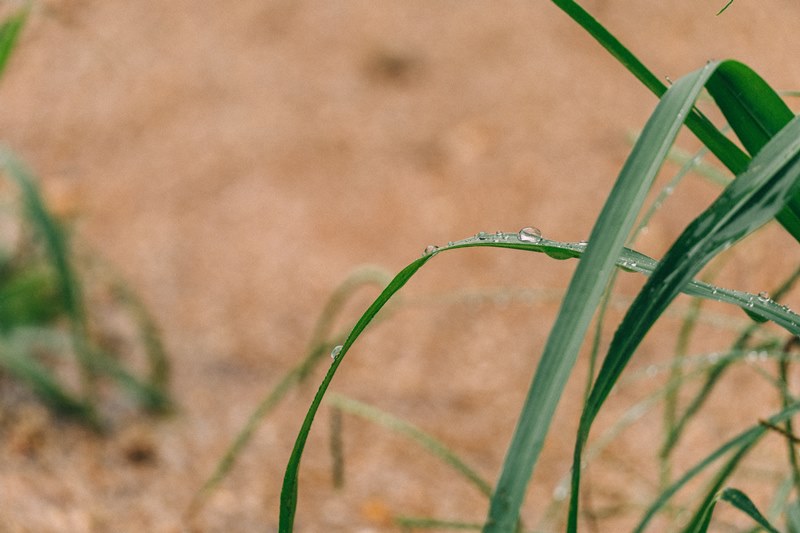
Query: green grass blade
{"points": [[722, 147], [750, 201], [289, 489], [756, 113], [9, 34], [58, 250], [45, 386], [702, 518], [741, 501], [743, 441], [434, 446], [629, 260], [583, 295], [320, 344]]}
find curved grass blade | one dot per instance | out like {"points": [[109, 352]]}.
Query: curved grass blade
{"points": [[583, 295], [750, 201], [756, 113], [434, 446], [9, 34], [726, 151], [629, 260], [741, 501], [320, 344], [289, 489], [740, 444]]}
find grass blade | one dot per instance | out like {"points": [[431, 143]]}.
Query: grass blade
{"points": [[289, 489], [750, 201], [743, 441], [409, 430], [9, 34], [741, 501], [583, 295]]}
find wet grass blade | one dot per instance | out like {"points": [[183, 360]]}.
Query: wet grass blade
{"points": [[750, 201], [583, 295], [289, 488], [629, 260], [320, 344], [756, 113]]}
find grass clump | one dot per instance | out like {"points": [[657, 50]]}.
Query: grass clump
{"points": [[765, 186], [47, 319]]}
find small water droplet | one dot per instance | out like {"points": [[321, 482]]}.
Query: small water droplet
{"points": [[763, 296], [530, 234], [752, 357], [450, 243], [336, 351], [481, 236], [714, 291], [430, 250], [713, 358], [561, 492]]}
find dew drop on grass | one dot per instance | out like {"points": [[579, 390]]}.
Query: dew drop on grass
{"points": [[336, 351], [530, 234], [481, 236], [763, 296], [430, 250]]}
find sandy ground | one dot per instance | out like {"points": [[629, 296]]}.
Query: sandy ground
{"points": [[236, 161]]}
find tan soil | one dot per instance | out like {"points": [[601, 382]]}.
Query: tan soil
{"points": [[236, 160]]}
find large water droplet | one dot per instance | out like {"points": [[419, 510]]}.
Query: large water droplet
{"points": [[530, 234], [763, 296], [430, 249], [481, 236], [336, 351]]}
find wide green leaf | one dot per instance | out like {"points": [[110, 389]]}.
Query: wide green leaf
{"points": [[750, 201], [583, 295]]}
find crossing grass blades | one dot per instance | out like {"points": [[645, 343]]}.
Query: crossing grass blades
{"points": [[766, 186]]}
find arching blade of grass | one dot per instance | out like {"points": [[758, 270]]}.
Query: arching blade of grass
{"points": [[739, 445], [629, 260], [739, 93], [9, 32], [756, 113], [750, 201], [741, 501], [319, 346], [289, 489]]}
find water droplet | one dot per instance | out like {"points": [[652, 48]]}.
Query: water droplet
{"points": [[530, 234], [561, 492], [450, 243], [481, 236], [430, 250], [752, 357], [336, 351], [714, 291], [763, 296], [713, 358], [652, 371]]}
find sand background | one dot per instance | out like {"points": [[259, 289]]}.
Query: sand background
{"points": [[236, 161]]}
